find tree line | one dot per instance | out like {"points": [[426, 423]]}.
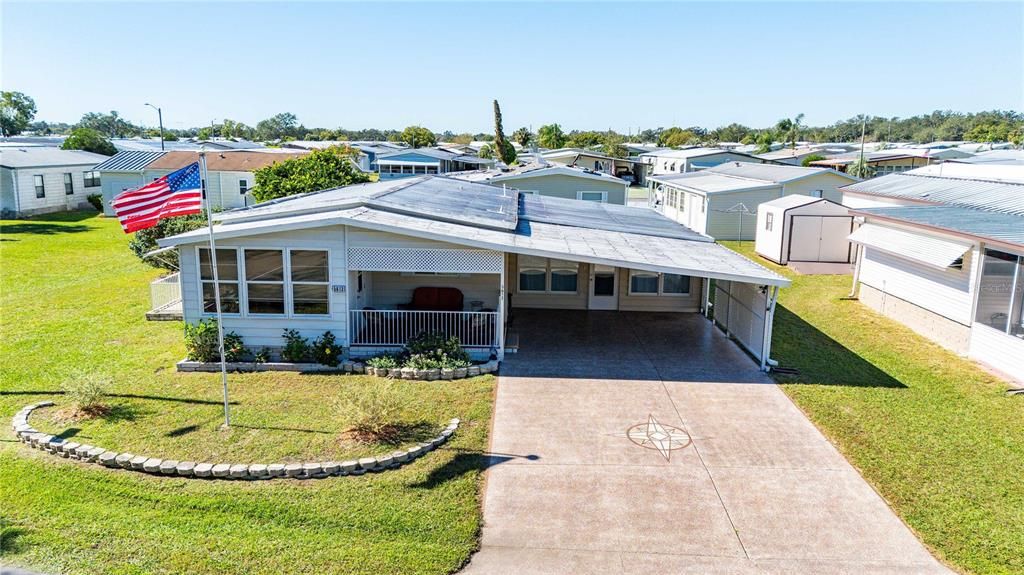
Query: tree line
{"points": [[17, 115]]}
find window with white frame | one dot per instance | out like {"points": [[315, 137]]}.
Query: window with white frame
{"points": [[769, 220], [816, 193], [243, 186], [590, 196], [310, 277], [651, 283], [69, 184], [92, 179], [533, 273], [264, 281], [564, 275], [227, 280], [37, 181]]}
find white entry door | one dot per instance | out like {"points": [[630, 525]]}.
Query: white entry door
{"points": [[604, 287]]}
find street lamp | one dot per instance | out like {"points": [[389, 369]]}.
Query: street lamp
{"points": [[160, 116]]}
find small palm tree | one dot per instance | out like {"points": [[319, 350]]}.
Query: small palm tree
{"points": [[860, 169]]}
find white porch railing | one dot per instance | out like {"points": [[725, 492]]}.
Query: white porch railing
{"points": [[165, 298], [397, 327]]}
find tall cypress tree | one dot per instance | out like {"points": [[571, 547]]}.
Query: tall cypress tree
{"points": [[502, 147]]}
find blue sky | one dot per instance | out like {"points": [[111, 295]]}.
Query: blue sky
{"points": [[584, 65]]}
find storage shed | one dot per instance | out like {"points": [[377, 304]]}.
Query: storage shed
{"points": [[803, 229]]}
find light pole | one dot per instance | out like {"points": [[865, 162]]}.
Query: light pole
{"points": [[160, 117]]}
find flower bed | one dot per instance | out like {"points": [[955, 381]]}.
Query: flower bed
{"points": [[310, 470], [346, 367]]}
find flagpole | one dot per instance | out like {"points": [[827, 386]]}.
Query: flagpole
{"points": [[216, 286]]}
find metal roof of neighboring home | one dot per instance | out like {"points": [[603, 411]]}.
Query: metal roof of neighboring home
{"points": [[230, 144], [476, 215], [225, 160], [41, 157], [533, 170], [938, 252], [892, 154], [151, 145], [920, 186], [790, 153], [792, 201], [708, 182], [777, 173], [981, 224], [128, 161], [1003, 157]]}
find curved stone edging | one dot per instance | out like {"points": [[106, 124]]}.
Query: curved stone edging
{"points": [[311, 470]]}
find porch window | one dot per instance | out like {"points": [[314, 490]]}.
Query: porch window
{"points": [[264, 281], [643, 282], [309, 277], [1001, 293], [532, 273], [227, 280], [675, 284], [564, 276]]}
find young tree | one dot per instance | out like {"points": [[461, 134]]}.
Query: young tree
{"points": [[279, 127], [417, 137], [790, 130], [613, 147], [551, 136], [320, 170], [502, 147], [522, 136], [89, 140], [16, 111], [676, 136], [764, 142], [486, 152], [112, 125]]}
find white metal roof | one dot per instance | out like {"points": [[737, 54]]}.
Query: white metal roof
{"points": [[777, 173], [927, 249], [636, 238], [969, 185], [40, 157], [533, 170], [707, 182]]}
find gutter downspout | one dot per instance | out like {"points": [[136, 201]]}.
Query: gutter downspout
{"points": [[769, 319]]}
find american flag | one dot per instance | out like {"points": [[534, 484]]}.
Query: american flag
{"points": [[178, 193]]}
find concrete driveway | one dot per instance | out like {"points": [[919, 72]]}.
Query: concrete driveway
{"points": [[640, 443]]}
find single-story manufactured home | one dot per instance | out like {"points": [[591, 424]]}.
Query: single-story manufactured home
{"points": [[937, 184], [722, 201], [378, 263], [952, 272], [802, 228], [554, 180], [420, 161], [632, 169], [231, 177], [38, 180], [891, 161], [687, 160]]}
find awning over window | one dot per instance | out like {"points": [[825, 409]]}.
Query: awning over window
{"points": [[929, 250]]}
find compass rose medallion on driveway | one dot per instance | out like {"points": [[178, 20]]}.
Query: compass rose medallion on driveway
{"points": [[658, 436]]}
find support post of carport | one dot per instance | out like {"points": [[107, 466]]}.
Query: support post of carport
{"points": [[499, 336], [769, 321]]}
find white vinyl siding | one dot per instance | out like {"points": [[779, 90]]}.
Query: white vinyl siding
{"points": [[945, 292], [56, 199], [1000, 350]]}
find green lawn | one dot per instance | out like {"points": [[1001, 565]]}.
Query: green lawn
{"points": [[932, 432], [73, 297]]}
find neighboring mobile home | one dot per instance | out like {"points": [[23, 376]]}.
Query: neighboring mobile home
{"points": [[892, 161], [376, 263], [230, 172], [556, 181], [952, 271], [632, 169], [38, 180], [687, 160], [426, 161], [722, 201], [802, 228]]}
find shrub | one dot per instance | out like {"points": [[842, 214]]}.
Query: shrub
{"points": [[383, 362], [325, 349], [144, 241], [96, 200], [435, 351], [201, 343], [296, 347], [373, 411], [261, 356], [86, 392]]}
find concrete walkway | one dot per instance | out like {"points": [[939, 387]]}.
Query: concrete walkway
{"points": [[729, 478]]}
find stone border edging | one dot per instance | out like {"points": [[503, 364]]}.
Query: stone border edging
{"points": [[311, 470], [345, 367]]}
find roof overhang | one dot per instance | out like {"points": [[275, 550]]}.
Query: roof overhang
{"points": [[926, 249]]}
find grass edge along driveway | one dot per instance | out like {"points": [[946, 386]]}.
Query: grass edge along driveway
{"points": [[934, 433]]}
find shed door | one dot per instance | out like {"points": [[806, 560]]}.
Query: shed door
{"points": [[820, 238], [834, 247], [804, 238]]}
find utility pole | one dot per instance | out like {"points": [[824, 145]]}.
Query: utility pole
{"points": [[160, 118]]}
